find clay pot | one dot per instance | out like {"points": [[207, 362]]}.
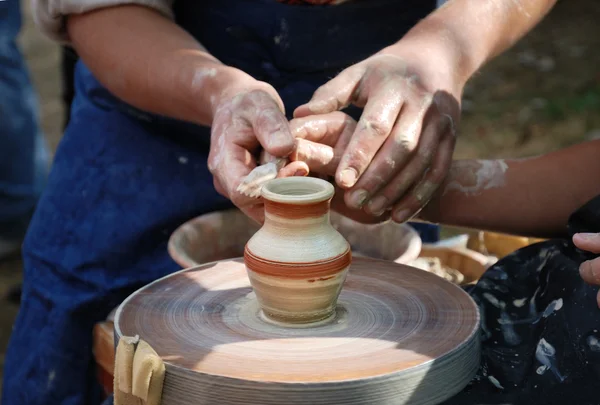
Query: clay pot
{"points": [[297, 262]]}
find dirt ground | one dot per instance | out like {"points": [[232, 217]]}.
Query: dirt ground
{"points": [[542, 95]]}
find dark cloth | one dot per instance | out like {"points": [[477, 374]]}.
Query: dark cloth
{"points": [[123, 180], [540, 325], [68, 61]]}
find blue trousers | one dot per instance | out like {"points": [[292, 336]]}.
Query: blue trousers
{"points": [[122, 179], [23, 154]]}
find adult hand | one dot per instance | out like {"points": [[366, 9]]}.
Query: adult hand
{"points": [[321, 141], [247, 116], [402, 147], [589, 270]]}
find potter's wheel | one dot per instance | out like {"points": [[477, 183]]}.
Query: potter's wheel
{"points": [[400, 336]]}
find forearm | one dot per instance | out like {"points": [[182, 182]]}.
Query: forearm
{"points": [[532, 197], [471, 32], [148, 61]]}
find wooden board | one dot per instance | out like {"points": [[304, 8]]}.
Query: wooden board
{"points": [[400, 336]]}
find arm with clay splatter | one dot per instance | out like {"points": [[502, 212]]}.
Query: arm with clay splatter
{"points": [[147, 60], [532, 197], [481, 29], [410, 92]]}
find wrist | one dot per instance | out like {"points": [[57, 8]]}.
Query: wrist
{"points": [[443, 58], [213, 86]]}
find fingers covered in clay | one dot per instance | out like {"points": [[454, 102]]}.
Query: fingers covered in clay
{"points": [[339, 205], [407, 125], [243, 123], [321, 140], [408, 203], [391, 160]]}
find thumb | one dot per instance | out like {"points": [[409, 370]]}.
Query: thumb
{"points": [[321, 140], [334, 95], [269, 124]]}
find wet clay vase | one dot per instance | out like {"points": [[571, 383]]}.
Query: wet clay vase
{"points": [[297, 262]]}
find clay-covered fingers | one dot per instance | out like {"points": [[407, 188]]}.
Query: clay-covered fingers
{"points": [[415, 183], [229, 165], [395, 153], [423, 191], [338, 205], [321, 140], [396, 99], [241, 126], [373, 130], [266, 117]]}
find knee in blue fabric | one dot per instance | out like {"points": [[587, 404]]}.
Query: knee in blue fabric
{"points": [[49, 359]]}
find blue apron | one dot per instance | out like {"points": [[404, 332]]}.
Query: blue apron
{"points": [[123, 179]]}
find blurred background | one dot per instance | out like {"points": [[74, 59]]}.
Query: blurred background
{"points": [[542, 95]]}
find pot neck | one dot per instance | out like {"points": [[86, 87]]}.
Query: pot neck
{"points": [[314, 214]]}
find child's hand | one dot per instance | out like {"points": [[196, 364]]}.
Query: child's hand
{"points": [[589, 270]]}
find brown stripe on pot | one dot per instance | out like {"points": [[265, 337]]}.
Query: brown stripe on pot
{"points": [[297, 197], [296, 211], [315, 271]]}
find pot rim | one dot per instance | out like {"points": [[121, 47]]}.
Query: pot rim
{"points": [[297, 190]]}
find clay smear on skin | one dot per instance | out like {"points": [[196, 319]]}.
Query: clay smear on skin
{"points": [[201, 75], [472, 177], [228, 123]]}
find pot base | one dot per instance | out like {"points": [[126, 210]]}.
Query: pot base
{"points": [[297, 323], [297, 301]]}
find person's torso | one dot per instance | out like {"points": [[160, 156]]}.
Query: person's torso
{"points": [[285, 44], [295, 48]]}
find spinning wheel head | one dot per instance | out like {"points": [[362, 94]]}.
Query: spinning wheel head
{"points": [[399, 336]]}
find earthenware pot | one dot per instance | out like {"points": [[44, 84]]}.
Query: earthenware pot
{"points": [[297, 262]]}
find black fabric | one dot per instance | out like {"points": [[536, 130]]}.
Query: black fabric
{"points": [[540, 325], [69, 59]]}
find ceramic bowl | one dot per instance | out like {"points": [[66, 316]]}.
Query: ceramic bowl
{"points": [[224, 234]]}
